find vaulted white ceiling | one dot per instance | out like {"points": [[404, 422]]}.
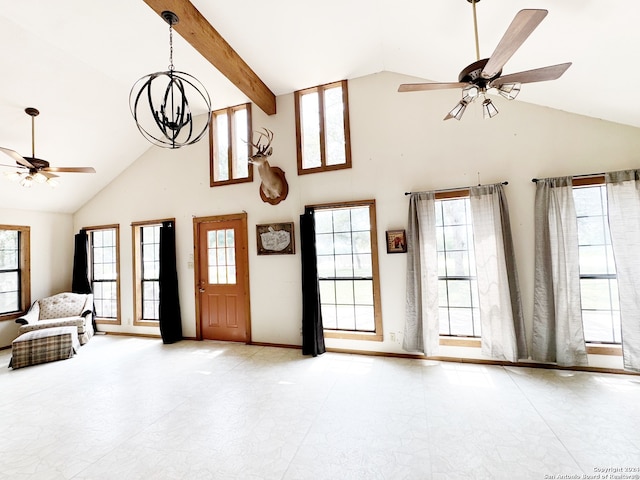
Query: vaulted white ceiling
{"points": [[76, 61]]}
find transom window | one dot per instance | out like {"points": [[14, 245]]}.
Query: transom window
{"points": [[229, 152], [146, 242], [322, 128], [15, 293], [104, 262], [347, 260], [598, 281], [459, 314], [221, 251]]}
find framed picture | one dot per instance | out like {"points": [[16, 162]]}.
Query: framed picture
{"points": [[396, 241], [275, 239]]}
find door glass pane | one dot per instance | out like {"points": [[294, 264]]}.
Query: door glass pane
{"points": [[221, 256]]}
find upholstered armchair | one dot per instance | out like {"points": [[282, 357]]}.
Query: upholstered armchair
{"points": [[63, 309]]}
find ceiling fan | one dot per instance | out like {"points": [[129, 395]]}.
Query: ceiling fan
{"points": [[485, 74], [32, 169]]}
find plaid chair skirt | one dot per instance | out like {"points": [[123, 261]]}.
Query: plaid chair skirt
{"points": [[45, 345]]}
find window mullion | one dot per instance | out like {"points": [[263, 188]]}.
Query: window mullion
{"points": [[323, 153], [230, 124]]}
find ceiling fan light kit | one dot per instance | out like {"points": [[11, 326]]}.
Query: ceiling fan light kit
{"points": [[485, 75], [37, 170], [160, 103]]}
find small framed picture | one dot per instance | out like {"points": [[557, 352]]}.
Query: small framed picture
{"points": [[275, 239], [396, 241]]}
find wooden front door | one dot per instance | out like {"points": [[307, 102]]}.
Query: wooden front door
{"points": [[222, 278]]}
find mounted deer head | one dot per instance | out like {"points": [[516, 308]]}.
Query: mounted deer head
{"points": [[274, 187]]}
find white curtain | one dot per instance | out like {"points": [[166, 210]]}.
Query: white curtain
{"points": [[558, 334], [421, 330], [623, 198], [500, 307], [501, 316]]}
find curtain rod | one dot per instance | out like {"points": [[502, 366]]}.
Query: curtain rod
{"points": [[454, 189], [584, 175]]}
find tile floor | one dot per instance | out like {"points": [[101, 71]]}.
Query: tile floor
{"points": [[130, 408]]}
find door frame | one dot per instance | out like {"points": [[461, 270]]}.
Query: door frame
{"points": [[197, 221]]}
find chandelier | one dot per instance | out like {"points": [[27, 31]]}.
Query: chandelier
{"points": [[161, 103]]}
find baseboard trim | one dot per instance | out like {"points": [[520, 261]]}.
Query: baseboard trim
{"points": [[130, 334], [480, 361], [414, 356]]}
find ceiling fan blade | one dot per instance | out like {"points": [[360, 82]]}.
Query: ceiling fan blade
{"points": [[70, 169], [543, 74], [523, 24], [17, 157], [417, 87], [48, 175]]}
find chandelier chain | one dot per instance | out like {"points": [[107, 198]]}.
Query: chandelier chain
{"points": [[171, 68]]}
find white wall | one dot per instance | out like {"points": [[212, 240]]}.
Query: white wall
{"points": [[399, 144], [51, 256]]}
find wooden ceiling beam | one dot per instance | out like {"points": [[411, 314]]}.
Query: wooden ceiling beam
{"points": [[196, 30]]}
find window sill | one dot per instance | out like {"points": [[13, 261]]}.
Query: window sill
{"points": [[232, 181], [602, 349], [460, 342], [592, 348], [107, 321], [374, 337], [11, 316], [146, 323]]}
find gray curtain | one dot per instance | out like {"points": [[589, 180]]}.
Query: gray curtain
{"points": [[502, 322], [558, 334], [421, 330], [623, 198]]}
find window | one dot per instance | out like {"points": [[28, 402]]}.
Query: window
{"points": [[146, 257], [104, 274], [347, 258], [322, 128], [229, 150], [459, 314], [15, 271], [598, 283]]}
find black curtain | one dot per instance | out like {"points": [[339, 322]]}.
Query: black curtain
{"points": [[169, 309], [80, 277], [80, 280], [312, 330]]}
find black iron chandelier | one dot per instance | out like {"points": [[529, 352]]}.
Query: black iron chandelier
{"points": [[161, 103]]}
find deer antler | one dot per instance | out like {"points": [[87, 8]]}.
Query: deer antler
{"points": [[263, 150]]}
